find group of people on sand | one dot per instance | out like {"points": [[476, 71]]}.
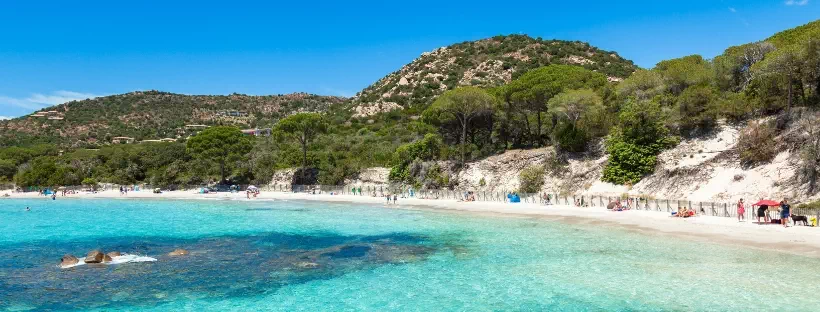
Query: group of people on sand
{"points": [[468, 197], [684, 212], [763, 212], [254, 191], [618, 206], [394, 197], [123, 190]]}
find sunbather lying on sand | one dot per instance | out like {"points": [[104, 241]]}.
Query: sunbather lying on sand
{"points": [[684, 213]]}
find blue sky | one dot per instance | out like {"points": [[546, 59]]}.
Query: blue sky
{"points": [[54, 51]]}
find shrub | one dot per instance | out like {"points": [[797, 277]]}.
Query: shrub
{"points": [[756, 144], [628, 162], [531, 179]]}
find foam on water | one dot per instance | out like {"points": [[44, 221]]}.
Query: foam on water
{"points": [[124, 258]]}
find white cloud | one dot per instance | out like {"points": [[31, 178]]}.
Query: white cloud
{"points": [[733, 10], [4, 117], [39, 100], [797, 2]]}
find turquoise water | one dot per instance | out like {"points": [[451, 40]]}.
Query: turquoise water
{"points": [[252, 255]]}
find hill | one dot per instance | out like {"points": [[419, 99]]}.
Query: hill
{"points": [[152, 115], [483, 63]]}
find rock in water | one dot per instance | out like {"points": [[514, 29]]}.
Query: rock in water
{"points": [[68, 260], [94, 256], [114, 254], [107, 258], [178, 252]]}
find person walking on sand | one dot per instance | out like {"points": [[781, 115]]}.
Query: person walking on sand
{"points": [[395, 197], [784, 213], [741, 210]]}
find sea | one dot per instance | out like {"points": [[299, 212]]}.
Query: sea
{"points": [[289, 255]]}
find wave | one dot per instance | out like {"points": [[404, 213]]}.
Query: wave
{"points": [[124, 258]]}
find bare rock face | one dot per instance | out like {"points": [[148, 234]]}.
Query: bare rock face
{"points": [[178, 252], [94, 256], [68, 260], [114, 254]]}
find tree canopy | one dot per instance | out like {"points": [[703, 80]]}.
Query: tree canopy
{"points": [[222, 145], [304, 127]]}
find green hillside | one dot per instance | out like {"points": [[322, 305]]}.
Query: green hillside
{"points": [[152, 115], [484, 63]]}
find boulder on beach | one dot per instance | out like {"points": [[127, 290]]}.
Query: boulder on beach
{"points": [[178, 252], [68, 260], [94, 256], [114, 254]]}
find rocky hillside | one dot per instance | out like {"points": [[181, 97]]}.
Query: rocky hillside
{"points": [[703, 169], [706, 168], [153, 115], [486, 63]]}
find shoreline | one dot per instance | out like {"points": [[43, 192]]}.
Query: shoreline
{"points": [[799, 240]]}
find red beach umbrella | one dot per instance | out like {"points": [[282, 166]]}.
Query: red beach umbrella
{"points": [[766, 202]]}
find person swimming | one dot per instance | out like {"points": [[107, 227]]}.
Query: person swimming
{"points": [[28, 209]]}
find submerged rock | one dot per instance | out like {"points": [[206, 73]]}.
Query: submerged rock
{"points": [[178, 252], [114, 254], [94, 256], [68, 260]]}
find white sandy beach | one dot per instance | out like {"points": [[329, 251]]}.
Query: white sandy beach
{"points": [[795, 239]]}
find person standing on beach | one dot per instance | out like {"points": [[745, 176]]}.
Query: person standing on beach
{"points": [[395, 197], [784, 213], [741, 210], [762, 212]]}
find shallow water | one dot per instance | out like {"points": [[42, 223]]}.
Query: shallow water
{"points": [[310, 256]]}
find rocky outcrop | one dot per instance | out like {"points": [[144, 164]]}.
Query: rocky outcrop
{"points": [[68, 261], [376, 176], [178, 252], [114, 254], [94, 256], [107, 258]]}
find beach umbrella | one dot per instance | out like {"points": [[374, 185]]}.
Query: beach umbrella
{"points": [[251, 187], [766, 202]]}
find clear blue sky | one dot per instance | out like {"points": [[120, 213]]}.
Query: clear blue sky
{"points": [[51, 51]]}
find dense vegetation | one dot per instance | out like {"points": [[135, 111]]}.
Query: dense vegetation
{"points": [[576, 108], [485, 63], [152, 115]]}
